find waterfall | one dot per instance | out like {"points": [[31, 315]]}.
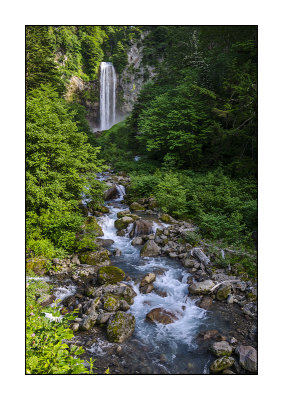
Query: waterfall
{"points": [[107, 95]]}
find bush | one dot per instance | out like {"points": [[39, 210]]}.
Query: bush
{"points": [[46, 350], [171, 195]]}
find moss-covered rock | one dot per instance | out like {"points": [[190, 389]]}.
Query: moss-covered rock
{"points": [[124, 213], [38, 265], [223, 292], [104, 209], [91, 225], [111, 303], [100, 257], [121, 327], [221, 363], [167, 219], [123, 223], [136, 207], [150, 249], [110, 275]]}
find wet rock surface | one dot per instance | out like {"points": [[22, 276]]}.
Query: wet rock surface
{"points": [[106, 326]]}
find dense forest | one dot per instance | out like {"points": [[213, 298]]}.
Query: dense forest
{"points": [[190, 143]]}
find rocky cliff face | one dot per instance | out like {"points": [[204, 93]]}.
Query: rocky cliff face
{"points": [[132, 78], [87, 94], [129, 84]]}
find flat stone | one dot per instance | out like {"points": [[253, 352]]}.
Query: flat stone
{"points": [[162, 316], [201, 287]]}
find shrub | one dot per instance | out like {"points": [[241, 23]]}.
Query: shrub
{"points": [[46, 349]]}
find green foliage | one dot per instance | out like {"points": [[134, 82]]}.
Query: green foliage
{"points": [[193, 238], [40, 64], [60, 165], [224, 208], [46, 349], [171, 195]]}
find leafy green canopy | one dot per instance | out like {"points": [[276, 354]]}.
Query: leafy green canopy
{"points": [[200, 111], [60, 165]]}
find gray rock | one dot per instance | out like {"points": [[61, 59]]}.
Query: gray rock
{"points": [[117, 253], [89, 321], [141, 227], [147, 288], [111, 193], [120, 327], [149, 278], [230, 299], [124, 306], [137, 241], [150, 249], [228, 372], [104, 317], [205, 302], [104, 242], [200, 256], [75, 327], [224, 291], [201, 287], [240, 285], [221, 349], [247, 357]]}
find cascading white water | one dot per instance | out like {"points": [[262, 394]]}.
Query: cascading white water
{"points": [[107, 95]]}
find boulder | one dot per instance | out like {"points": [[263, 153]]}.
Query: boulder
{"points": [[150, 249], [190, 263], [137, 241], [117, 253], [221, 349], [205, 302], [123, 213], [100, 257], [149, 278], [120, 327], [200, 256], [123, 223], [147, 288], [110, 275], [104, 242], [89, 321], [161, 316], [121, 290], [247, 357], [111, 193], [167, 219], [111, 303], [224, 291], [104, 317], [141, 227], [201, 287], [136, 207], [221, 364], [124, 306]]}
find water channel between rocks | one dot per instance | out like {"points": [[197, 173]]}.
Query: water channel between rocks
{"points": [[153, 348], [158, 348]]}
